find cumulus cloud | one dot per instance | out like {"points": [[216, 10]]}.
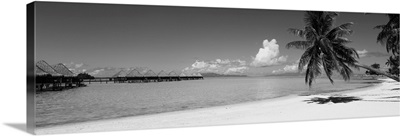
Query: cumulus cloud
{"points": [[218, 66], [292, 68], [199, 64], [365, 53], [268, 55], [236, 70], [96, 72], [77, 67], [362, 53]]}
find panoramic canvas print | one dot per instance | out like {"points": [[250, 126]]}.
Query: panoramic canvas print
{"points": [[102, 67]]}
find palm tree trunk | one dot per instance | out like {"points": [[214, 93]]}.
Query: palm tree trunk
{"points": [[378, 72]]}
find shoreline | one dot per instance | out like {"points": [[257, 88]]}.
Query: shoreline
{"points": [[281, 109]]}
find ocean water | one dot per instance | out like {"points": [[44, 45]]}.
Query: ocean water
{"points": [[105, 101]]}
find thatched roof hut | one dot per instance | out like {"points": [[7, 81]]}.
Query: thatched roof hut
{"points": [[44, 67], [150, 73], [173, 74], [182, 75], [121, 73], [197, 75], [162, 73], [134, 73], [40, 72], [62, 69]]}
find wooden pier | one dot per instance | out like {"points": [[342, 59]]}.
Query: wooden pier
{"points": [[57, 83], [59, 77], [140, 79]]}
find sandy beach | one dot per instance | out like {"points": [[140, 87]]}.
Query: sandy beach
{"points": [[379, 100]]}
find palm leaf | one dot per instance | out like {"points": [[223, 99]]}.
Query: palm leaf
{"points": [[341, 30], [299, 44], [297, 32], [328, 66]]}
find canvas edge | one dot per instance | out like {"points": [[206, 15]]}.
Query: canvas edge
{"points": [[30, 67]]}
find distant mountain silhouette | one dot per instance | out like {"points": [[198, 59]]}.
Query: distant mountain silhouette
{"points": [[210, 74], [103, 71], [287, 74]]}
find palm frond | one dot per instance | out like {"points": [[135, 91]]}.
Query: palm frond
{"points": [[310, 34], [341, 40], [341, 30], [380, 27], [305, 58], [299, 44], [297, 32], [345, 72], [313, 69], [328, 66], [326, 47]]}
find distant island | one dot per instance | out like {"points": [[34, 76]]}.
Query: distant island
{"points": [[210, 74]]}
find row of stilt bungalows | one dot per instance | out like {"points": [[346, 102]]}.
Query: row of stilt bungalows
{"points": [[134, 76], [59, 77], [56, 77]]}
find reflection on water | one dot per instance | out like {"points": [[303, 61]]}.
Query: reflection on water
{"points": [[104, 101]]}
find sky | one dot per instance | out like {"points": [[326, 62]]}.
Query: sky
{"points": [[219, 40]]}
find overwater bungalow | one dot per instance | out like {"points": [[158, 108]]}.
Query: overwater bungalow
{"points": [[63, 70], [45, 67], [120, 76], [173, 76], [183, 76], [195, 76], [134, 76], [46, 76], [55, 77], [150, 76], [69, 78], [163, 76]]}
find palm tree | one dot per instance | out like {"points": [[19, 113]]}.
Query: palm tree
{"points": [[393, 63], [325, 47], [389, 35]]}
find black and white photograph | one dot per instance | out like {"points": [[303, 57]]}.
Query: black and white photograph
{"points": [[106, 67]]}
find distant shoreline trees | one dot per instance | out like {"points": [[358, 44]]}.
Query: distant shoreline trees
{"points": [[375, 66], [84, 76]]}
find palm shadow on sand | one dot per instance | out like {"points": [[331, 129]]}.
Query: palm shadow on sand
{"points": [[394, 89], [333, 99]]}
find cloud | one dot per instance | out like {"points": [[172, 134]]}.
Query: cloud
{"points": [[236, 70], [293, 68], [199, 64], [365, 53], [218, 66], [268, 55], [362, 53], [96, 72], [77, 67]]}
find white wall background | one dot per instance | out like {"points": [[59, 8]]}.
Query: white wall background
{"points": [[13, 73]]}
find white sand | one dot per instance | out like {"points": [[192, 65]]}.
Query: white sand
{"points": [[378, 100]]}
